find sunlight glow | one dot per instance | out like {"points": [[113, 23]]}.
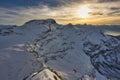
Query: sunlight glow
{"points": [[83, 11]]}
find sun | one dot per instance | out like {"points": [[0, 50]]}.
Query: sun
{"points": [[83, 11]]}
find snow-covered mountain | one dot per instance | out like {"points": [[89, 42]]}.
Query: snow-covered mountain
{"points": [[105, 54], [45, 50]]}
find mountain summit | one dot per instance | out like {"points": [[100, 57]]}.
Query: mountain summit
{"points": [[38, 22]]}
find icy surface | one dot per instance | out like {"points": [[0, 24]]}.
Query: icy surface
{"points": [[45, 50]]}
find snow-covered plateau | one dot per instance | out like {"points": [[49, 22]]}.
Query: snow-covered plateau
{"points": [[46, 50]]}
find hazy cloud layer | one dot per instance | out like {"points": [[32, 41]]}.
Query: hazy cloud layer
{"points": [[64, 11]]}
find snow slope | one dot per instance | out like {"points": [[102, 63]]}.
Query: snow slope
{"points": [[44, 50]]}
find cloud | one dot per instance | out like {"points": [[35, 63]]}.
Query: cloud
{"points": [[114, 13], [12, 13], [28, 3], [96, 13], [115, 8], [106, 9], [107, 0]]}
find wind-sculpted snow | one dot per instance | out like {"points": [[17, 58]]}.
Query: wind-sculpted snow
{"points": [[43, 49], [105, 56]]}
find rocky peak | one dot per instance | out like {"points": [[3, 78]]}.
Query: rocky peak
{"points": [[42, 21]]}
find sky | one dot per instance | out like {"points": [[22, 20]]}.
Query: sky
{"points": [[63, 11]]}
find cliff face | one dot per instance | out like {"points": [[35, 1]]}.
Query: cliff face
{"points": [[43, 50]]}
